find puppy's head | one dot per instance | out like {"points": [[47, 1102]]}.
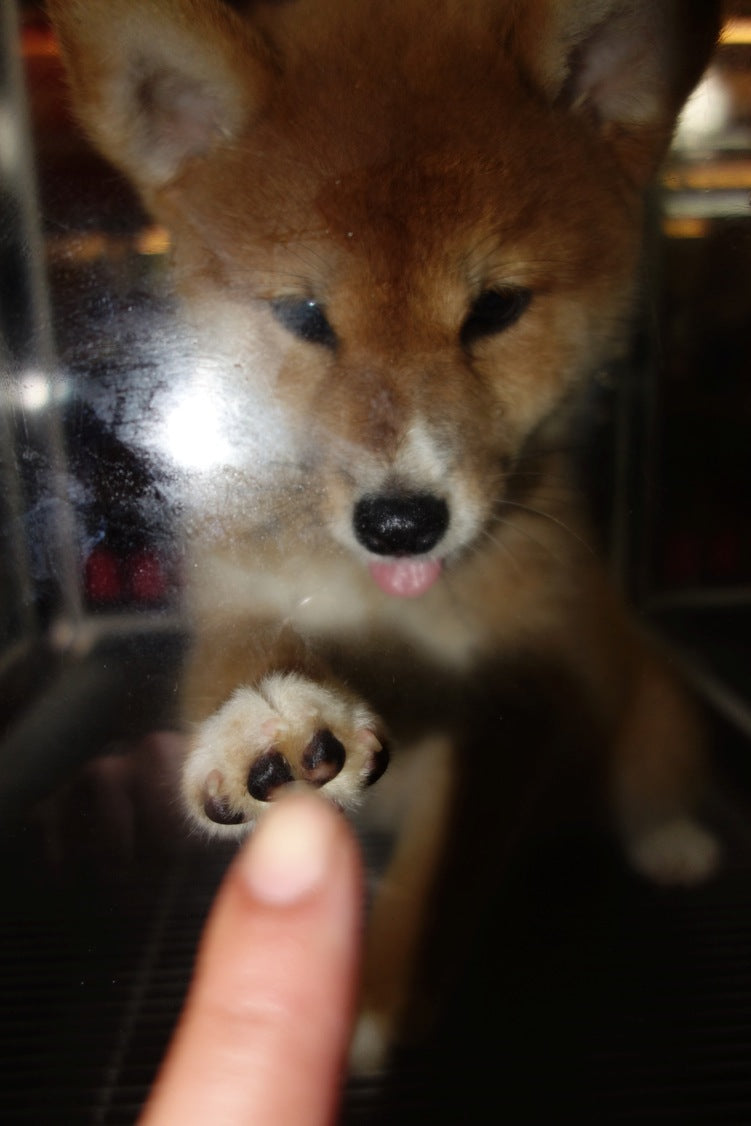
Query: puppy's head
{"points": [[412, 226]]}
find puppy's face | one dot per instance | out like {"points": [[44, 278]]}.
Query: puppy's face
{"points": [[419, 298], [403, 240]]}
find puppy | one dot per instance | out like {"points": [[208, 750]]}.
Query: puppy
{"points": [[405, 235]]}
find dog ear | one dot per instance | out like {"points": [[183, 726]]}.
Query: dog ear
{"points": [[156, 82], [627, 64]]}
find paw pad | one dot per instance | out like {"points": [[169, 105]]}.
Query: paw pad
{"points": [[323, 758], [286, 730], [270, 771]]}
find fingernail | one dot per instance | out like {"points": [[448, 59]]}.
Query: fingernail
{"points": [[290, 851]]}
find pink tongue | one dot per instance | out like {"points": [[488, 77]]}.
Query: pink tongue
{"points": [[406, 578]]}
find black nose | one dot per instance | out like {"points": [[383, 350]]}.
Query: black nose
{"points": [[401, 524]]}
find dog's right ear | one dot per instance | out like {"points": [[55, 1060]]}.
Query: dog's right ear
{"points": [[625, 65], [158, 82]]}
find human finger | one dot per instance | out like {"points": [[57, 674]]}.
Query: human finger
{"points": [[265, 1029]]}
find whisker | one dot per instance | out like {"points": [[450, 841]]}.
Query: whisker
{"points": [[544, 547], [540, 480], [307, 254], [498, 541], [553, 520]]}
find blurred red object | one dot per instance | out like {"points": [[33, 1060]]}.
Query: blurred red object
{"points": [[145, 580], [102, 579]]}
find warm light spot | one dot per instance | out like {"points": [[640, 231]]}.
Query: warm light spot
{"points": [[708, 175], [80, 247], [152, 240], [684, 227], [736, 30]]}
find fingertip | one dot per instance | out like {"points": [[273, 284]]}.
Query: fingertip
{"points": [[291, 850], [274, 980]]}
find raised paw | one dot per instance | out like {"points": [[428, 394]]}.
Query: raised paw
{"points": [[286, 729]]}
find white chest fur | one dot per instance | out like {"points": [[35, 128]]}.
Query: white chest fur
{"points": [[331, 597]]}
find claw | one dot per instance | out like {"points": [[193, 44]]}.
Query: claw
{"points": [[216, 805]]}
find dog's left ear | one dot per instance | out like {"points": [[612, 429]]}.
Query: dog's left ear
{"points": [[159, 82], [628, 65]]}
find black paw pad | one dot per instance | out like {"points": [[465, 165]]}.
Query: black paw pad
{"points": [[323, 758], [218, 809], [378, 765], [267, 773]]}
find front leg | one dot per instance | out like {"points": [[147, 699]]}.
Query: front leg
{"points": [[264, 713], [425, 779], [657, 780]]}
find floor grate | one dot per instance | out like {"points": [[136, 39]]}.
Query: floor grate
{"points": [[591, 997]]}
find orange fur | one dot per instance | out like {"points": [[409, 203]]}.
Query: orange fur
{"points": [[393, 162]]}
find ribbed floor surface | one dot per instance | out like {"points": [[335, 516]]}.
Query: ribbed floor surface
{"points": [[591, 998]]}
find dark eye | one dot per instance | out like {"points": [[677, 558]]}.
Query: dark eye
{"points": [[305, 319], [493, 311]]}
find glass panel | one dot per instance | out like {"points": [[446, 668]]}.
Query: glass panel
{"points": [[114, 447]]}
